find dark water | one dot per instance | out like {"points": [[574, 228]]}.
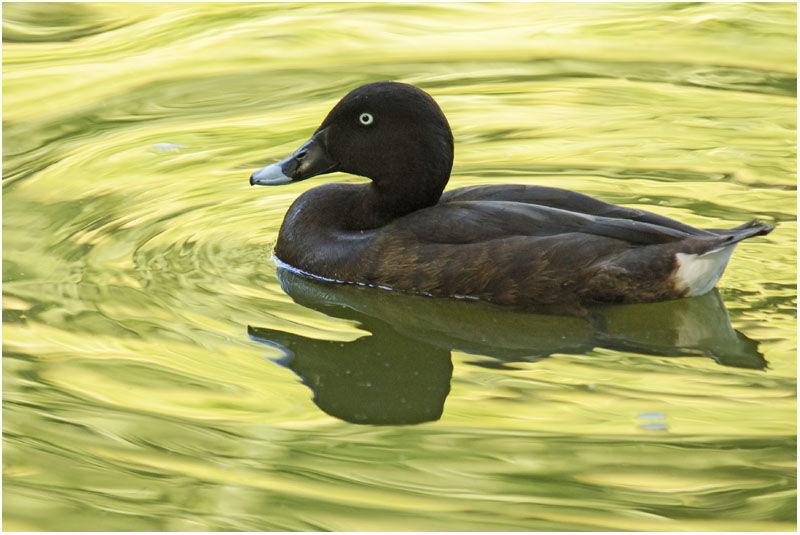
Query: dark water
{"points": [[160, 372]]}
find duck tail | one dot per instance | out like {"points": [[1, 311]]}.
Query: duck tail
{"points": [[754, 227], [698, 272]]}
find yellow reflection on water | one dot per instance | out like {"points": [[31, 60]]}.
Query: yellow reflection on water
{"points": [[136, 256]]}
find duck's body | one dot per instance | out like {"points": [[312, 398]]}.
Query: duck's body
{"points": [[472, 243], [524, 246]]}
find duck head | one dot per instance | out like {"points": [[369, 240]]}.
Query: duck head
{"points": [[392, 133]]}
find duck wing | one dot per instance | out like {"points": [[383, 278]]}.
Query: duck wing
{"points": [[564, 200], [462, 222]]}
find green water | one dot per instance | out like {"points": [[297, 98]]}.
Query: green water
{"points": [[160, 374]]}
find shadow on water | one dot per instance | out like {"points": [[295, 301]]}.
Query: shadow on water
{"points": [[401, 373]]}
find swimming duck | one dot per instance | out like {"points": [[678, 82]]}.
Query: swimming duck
{"points": [[524, 246]]}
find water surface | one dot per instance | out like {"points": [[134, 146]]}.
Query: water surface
{"points": [[160, 372]]}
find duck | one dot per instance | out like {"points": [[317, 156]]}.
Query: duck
{"points": [[524, 246]]}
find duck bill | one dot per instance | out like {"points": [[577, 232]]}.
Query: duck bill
{"points": [[311, 159]]}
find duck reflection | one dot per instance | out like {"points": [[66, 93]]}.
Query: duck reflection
{"points": [[401, 373]]}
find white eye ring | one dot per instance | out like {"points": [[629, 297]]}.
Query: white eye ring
{"points": [[365, 118]]}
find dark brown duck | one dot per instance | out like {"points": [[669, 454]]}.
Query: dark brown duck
{"points": [[526, 246]]}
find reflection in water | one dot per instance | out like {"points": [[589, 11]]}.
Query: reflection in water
{"points": [[401, 373]]}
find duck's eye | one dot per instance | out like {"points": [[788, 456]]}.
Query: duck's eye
{"points": [[365, 118]]}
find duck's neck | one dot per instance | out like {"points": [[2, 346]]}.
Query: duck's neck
{"points": [[401, 187], [375, 205]]}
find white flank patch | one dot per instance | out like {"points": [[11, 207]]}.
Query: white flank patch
{"points": [[700, 273]]}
